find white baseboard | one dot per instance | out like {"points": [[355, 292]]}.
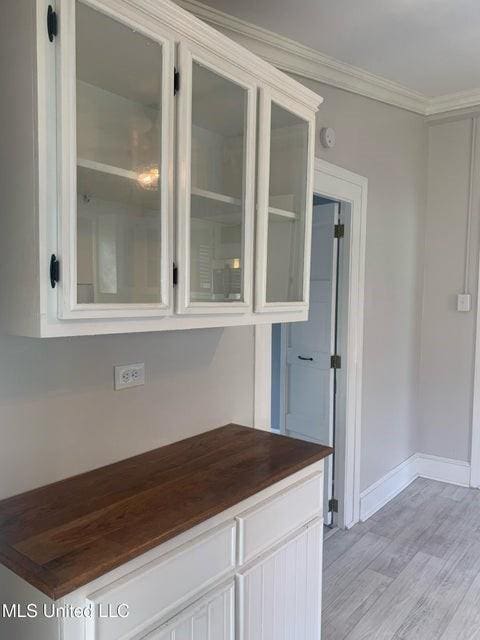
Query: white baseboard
{"points": [[378, 494], [443, 469], [420, 465]]}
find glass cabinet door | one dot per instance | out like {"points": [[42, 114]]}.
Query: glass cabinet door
{"points": [[284, 206], [116, 89], [216, 138]]}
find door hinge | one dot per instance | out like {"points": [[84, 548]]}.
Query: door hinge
{"points": [[339, 231], [176, 82], [54, 271], [335, 362], [52, 23], [333, 505], [175, 275]]}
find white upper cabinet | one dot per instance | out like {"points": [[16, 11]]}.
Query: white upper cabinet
{"points": [[159, 175], [216, 184], [284, 214]]}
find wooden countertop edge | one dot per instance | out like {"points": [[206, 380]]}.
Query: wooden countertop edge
{"points": [[40, 578], [50, 585]]}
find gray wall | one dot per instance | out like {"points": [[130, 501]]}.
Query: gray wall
{"points": [[446, 362], [59, 414]]}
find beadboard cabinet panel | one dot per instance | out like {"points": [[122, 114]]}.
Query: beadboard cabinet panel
{"points": [[213, 618], [280, 595]]}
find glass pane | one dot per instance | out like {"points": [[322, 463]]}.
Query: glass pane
{"points": [[217, 200], [119, 102], [287, 203]]}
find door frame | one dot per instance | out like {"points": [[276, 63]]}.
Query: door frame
{"points": [[475, 438], [336, 183]]}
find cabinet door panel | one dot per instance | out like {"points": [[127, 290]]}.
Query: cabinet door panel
{"points": [[115, 154], [280, 596], [216, 185], [210, 619], [284, 205]]}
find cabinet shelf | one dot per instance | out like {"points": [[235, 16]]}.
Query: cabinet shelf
{"points": [[213, 195], [282, 213], [216, 207], [114, 184], [210, 205], [101, 167]]}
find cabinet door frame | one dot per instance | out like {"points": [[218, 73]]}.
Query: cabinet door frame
{"points": [[68, 307], [187, 55], [267, 96]]}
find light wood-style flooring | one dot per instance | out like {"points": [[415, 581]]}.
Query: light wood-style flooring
{"points": [[411, 572]]}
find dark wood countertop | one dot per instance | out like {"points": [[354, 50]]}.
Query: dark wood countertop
{"points": [[64, 535]]}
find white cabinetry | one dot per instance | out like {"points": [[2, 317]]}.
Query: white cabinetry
{"points": [[280, 595], [129, 181], [253, 572], [284, 219]]}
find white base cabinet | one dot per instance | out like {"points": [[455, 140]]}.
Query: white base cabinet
{"points": [[205, 584]]}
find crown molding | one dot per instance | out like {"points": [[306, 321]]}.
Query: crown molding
{"points": [[293, 57], [453, 101]]}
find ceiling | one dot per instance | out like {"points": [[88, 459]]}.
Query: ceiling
{"points": [[430, 46]]}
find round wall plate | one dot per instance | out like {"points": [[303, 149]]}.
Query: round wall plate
{"points": [[327, 137]]}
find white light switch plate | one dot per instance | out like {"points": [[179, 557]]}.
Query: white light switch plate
{"points": [[464, 302], [129, 375]]}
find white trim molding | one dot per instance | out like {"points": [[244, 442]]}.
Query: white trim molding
{"points": [[334, 182], [475, 442], [293, 57], [443, 469], [453, 102], [419, 465], [263, 377], [379, 493]]}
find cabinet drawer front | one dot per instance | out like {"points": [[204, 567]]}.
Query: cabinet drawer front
{"points": [[264, 525], [212, 618], [151, 591]]}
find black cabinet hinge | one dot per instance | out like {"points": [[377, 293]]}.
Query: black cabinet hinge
{"points": [[175, 275], [52, 23], [335, 362], [333, 505], [176, 82], [339, 231], [54, 271]]}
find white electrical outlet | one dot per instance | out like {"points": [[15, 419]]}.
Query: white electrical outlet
{"points": [[464, 302], [129, 375]]}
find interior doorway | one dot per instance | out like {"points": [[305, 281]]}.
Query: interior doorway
{"points": [[306, 360], [332, 185]]}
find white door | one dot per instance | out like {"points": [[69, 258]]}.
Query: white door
{"points": [[309, 346], [280, 596]]}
